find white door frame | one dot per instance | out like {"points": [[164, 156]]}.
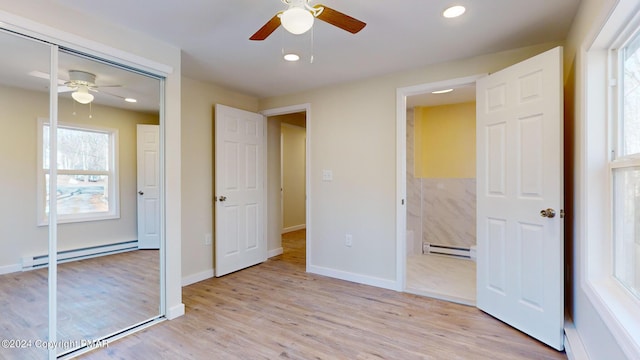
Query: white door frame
{"points": [[401, 164], [290, 110]]}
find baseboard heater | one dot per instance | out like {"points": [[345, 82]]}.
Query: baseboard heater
{"points": [[41, 261], [454, 251]]}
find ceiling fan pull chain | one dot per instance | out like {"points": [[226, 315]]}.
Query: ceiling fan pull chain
{"points": [[311, 55]]}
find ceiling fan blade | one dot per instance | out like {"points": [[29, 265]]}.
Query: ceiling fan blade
{"points": [[268, 28], [343, 21], [65, 88]]}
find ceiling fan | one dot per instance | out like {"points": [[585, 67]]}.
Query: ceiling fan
{"points": [[81, 83], [299, 16]]}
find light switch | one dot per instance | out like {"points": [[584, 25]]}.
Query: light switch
{"points": [[327, 175]]}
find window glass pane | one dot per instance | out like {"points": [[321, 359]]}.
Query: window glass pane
{"points": [[82, 150], [81, 194], [630, 127], [78, 149], [627, 227]]}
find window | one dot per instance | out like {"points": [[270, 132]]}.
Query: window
{"points": [[625, 166], [87, 175], [608, 178]]}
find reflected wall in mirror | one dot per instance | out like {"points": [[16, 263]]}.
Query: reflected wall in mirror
{"points": [[23, 294]]}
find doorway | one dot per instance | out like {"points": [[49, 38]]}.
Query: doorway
{"points": [[288, 183], [436, 258], [441, 186]]}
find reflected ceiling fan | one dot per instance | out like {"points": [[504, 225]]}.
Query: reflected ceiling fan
{"points": [[299, 16], [81, 83]]}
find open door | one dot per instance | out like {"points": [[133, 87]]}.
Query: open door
{"points": [[148, 179], [520, 197], [239, 194]]}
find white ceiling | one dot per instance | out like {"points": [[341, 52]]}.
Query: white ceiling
{"points": [[400, 35]]}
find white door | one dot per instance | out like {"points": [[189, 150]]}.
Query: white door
{"points": [[239, 189], [519, 174], [148, 164]]}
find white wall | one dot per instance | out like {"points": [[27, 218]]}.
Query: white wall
{"points": [[352, 133], [46, 19], [198, 102]]}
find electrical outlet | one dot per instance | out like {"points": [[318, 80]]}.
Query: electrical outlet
{"points": [[348, 240], [207, 239]]}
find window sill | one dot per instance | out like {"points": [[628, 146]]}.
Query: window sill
{"points": [[80, 219], [617, 307]]}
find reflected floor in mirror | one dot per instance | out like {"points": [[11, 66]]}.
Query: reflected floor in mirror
{"points": [[442, 277], [96, 297]]}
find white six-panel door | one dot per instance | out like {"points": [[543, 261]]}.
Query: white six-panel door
{"points": [[519, 174], [239, 189], [148, 180]]}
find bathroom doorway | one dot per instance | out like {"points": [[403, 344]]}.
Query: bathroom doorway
{"points": [[441, 193]]}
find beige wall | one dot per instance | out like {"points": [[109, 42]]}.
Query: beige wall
{"points": [[198, 102], [293, 177], [352, 131], [19, 234]]}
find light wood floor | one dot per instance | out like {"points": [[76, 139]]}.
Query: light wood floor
{"points": [[277, 311], [96, 297], [442, 277]]}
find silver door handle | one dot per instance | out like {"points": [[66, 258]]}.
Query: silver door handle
{"points": [[222, 198], [548, 213], [141, 192]]}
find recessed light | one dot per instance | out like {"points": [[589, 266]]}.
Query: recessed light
{"points": [[131, 100], [442, 91], [291, 57], [454, 11]]}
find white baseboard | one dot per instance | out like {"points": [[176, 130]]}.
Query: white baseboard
{"points": [[175, 311], [8, 269], [294, 228], [274, 252], [573, 346], [194, 278], [357, 278]]}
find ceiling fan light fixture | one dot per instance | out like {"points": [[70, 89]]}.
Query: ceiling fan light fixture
{"points": [[82, 95], [454, 11], [291, 57], [297, 20]]}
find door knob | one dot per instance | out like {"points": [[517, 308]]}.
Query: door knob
{"points": [[223, 198], [549, 213], [141, 192]]}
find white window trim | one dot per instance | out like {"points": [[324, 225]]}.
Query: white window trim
{"points": [[618, 308], [114, 181]]}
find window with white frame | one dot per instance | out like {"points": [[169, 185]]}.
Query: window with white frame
{"points": [[625, 164], [87, 182]]}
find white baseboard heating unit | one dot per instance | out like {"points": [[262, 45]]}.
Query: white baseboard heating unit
{"points": [[454, 251], [40, 261]]}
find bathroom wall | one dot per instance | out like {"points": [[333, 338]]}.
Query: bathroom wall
{"points": [[414, 193], [441, 184]]}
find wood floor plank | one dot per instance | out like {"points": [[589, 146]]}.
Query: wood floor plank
{"points": [[276, 310]]}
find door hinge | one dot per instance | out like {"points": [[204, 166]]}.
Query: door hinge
{"points": [[562, 214]]}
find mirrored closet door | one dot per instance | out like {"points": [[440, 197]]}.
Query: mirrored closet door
{"points": [[23, 243], [108, 199], [94, 172]]}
